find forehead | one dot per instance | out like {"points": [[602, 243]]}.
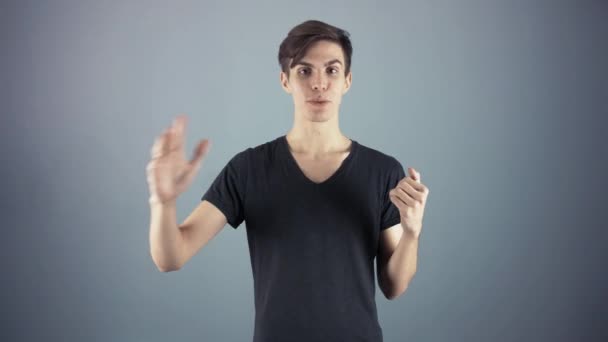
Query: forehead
{"points": [[322, 52]]}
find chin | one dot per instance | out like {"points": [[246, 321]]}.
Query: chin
{"points": [[319, 116]]}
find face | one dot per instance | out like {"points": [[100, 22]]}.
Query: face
{"points": [[318, 82]]}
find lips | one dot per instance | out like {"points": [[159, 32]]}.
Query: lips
{"points": [[318, 101]]}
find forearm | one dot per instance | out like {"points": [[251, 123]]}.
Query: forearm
{"points": [[165, 236], [402, 264]]}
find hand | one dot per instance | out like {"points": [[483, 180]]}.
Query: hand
{"points": [[409, 196], [168, 172]]}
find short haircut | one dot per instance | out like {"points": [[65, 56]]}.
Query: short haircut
{"points": [[294, 46]]}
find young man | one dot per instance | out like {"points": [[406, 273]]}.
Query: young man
{"points": [[319, 207]]}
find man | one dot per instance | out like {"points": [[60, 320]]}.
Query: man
{"points": [[319, 207]]}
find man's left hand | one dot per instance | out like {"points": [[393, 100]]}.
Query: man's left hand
{"points": [[409, 196]]}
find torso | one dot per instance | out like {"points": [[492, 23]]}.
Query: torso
{"points": [[319, 171], [312, 246]]}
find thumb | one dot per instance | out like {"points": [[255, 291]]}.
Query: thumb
{"points": [[415, 174], [193, 166], [200, 152]]}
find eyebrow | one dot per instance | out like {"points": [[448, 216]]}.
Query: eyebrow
{"points": [[326, 64]]}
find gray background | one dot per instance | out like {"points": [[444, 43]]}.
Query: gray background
{"points": [[499, 105]]}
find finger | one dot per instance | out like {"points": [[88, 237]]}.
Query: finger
{"points": [[166, 139], [414, 173], [398, 202], [405, 197], [402, 196], [179, 132], [201, 151], [408, 189], [158, 146], [421, 188], [155, 150], [414, 184]]}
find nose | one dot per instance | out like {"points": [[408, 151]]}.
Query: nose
{"points": [[319, 82]]}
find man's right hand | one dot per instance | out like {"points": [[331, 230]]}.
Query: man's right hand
{"points": [[168, 172]]}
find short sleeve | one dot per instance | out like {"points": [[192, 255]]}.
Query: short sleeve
{"points": [[227, 192], [390, 213]]}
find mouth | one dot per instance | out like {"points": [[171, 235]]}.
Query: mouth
{"points": [[318, 102]]}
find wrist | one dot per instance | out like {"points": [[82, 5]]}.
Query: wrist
{"points": [[156, 202], [413, 236]]}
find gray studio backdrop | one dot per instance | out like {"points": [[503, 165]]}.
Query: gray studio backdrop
{"points": [[499, 105]]}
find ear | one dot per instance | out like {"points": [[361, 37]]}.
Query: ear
{"points": [[347, 82], [284, 82]]}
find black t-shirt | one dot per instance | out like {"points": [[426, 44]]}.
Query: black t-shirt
{"points": [[312, 245]]}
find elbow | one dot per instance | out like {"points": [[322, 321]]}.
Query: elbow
{"points": [[165, 266], [392, 295], [396, 294], [389, 296], [397, 290], [166, 269]]}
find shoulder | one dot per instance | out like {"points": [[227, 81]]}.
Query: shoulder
{"points": [[376, 158], [257, 153]]}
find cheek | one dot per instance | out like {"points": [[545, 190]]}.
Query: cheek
{"points": [[298, 92], [299, 86]]}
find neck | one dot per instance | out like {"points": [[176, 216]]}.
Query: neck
{"points": [[317, 139]]}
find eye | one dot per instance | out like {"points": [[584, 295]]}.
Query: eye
{"points": [[333, 71], [303, 71]]}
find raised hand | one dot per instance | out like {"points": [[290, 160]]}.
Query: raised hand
{"points": [[169, 173], [410, 196]]}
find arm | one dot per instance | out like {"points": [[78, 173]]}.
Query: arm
{"points": [[399, 243], [396, 261], [165, 238], [171, 246]]}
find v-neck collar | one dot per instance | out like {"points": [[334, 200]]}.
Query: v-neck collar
{"points": [[294, 164]]}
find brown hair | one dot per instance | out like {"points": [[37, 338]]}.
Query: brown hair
{"points": [[294, 46]]}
